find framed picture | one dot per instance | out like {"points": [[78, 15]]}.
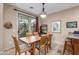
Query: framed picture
{"points": [[72, 24], [43, 29], [56, 26]]}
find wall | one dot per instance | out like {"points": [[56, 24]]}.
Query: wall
{"points": [[10, 15], [64, 16], [1, 26]]}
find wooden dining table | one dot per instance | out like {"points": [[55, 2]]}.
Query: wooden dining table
{"points": [[31, 40]]}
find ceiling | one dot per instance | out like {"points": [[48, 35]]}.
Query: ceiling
{"points": [[36, 8]]}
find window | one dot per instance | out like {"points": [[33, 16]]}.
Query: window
{"points": [[25, 24]]}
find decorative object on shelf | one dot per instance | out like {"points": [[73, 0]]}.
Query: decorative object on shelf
{"points": [[56, 26], [72, 24], [43, 29], [8, 25], [43, 14]]}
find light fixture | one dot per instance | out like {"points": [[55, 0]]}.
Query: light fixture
{"points": [[43, 14]]}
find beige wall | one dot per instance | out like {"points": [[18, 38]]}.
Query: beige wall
{"points": [[1, 26], [9, 16], [64, 16]]}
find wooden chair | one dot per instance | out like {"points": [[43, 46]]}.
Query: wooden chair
{"points": [[49, 38], [28, 34], [68, 49], [36, 33], [18, 49], [42, 44]]}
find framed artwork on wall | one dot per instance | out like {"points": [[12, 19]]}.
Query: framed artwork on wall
{"points": [[43, 28], [56, 26], [72, 24]]}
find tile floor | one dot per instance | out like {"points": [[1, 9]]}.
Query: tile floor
{"points": [[56, 50]]}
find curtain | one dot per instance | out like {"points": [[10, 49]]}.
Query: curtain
{"points": [[37, 24]]}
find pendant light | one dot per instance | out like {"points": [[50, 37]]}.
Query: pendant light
{"points": [[43, 14]]}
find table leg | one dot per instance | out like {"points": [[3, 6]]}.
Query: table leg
{"points": [[33, 49], [50, 44]]}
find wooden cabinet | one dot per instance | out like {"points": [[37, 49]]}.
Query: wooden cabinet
{"points": [[76, 46]]}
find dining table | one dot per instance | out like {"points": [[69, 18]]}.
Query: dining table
{"points": [[31, 40]]}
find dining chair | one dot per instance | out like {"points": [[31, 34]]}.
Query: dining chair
{"points": [[36, 33], [49, 38], [18, 48], [42, 44], [28, 34], [68, 49]]}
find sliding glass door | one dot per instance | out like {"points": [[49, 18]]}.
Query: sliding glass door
{"points": [[25, 24]]}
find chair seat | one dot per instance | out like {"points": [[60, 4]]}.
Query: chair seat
{"points": [[24, 47]]}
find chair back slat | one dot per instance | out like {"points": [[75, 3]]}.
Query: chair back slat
{"points": [[43, 40], [28, 34], [49, 37], [35, 33]]}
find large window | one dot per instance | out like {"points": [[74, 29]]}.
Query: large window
{"points": [[25, 24]]}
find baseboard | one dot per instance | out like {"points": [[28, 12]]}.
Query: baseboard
{"points": [[8, 49]]}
